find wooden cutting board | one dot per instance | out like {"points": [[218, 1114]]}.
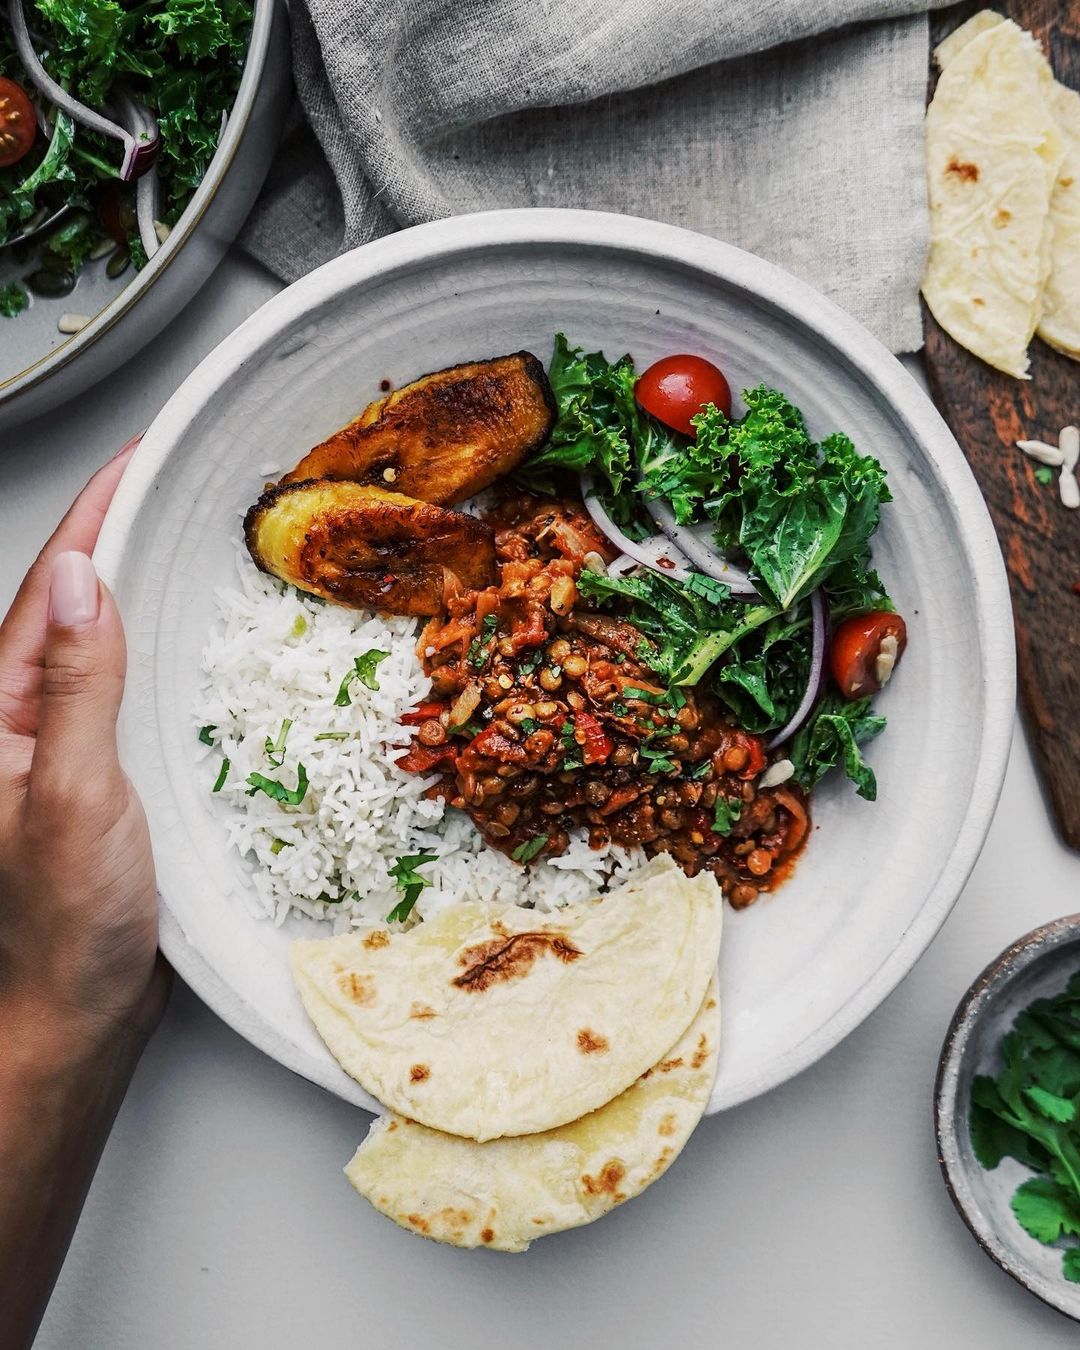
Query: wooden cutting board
{"points": [[1040, 538]]}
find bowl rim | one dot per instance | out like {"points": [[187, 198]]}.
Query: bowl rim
{"points": [[667, 245], [994, 977], [262, 22]]}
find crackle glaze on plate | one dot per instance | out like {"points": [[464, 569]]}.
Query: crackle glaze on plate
{"points": [[799, 970], [1036, 966]]}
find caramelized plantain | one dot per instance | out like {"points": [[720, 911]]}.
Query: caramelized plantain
{"points": [[446, 436], [366, 547]]}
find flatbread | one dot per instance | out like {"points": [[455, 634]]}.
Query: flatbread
{"points": [[1059, 319], [505, 1193], [1059, 323], [993, 153], [488, 1020]]}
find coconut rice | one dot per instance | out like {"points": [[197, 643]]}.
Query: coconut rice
{"points": [[277, 654]]}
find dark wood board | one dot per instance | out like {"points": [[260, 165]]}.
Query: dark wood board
{"points": [[1040, 538]]}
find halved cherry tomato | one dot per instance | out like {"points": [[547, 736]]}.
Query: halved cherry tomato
{"points": [[18, 125], [676, 388], [865, 648]]}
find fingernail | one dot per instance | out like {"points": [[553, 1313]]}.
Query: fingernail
{"points": [[128, 446], [73, 590]]}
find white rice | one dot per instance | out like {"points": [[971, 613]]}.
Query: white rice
{"points": [[277, 654]]}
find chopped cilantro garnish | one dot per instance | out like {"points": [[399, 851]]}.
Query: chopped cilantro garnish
{"points": [[530, 663], [409, 882], [699, 770], [299, 626], [644, 695], [278, 845], [275, 749], [528, 725], [526, 852], [333, 736], [573, 757], [206, 734], [619, 708], [478, 648], [656, 761], [278, 791], [364, 667], [726, 812], [223, 773], [1044, 474]]}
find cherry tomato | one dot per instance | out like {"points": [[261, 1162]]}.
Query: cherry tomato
{"points": [[865, 648], [676, 388], [18, 125]]}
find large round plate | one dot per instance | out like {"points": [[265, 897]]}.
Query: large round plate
{"points": [[799, 970]]}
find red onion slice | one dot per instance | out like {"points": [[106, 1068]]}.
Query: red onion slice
{"points": [[147, 195], [139, 152], [818, 632], [705, 558], [639, 552]]}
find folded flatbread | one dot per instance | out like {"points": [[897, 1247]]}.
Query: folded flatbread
{"points": [[486, 1021], [993, 153], [504, 1193]]}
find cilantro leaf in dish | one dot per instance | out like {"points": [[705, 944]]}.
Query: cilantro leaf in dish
{"points": [[1029, 1112]]}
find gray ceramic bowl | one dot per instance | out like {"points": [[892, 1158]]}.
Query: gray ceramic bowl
{"points": [[40, 368], [1036, 966]]}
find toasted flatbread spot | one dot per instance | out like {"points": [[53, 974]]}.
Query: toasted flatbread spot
{"points": [[666, 1065], [1001, 218], [701, 1054], [360, 989], [968, 172], [379, 938], [589, 1043], [667, 1124], [418, 1073], [487, 1235], [505, 959], [607, 1183], [421, 1011]]}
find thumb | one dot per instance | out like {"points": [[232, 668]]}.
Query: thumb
{"points": [[82, 682]]}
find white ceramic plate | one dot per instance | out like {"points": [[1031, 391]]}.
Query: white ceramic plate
{"points": [[799, 970]]}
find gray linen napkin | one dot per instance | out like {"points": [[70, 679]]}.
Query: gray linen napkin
{"points": [[789, 127]]}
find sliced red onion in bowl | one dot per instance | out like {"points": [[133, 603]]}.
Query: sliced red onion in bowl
{"points": [[640, 552], [819, 629], [139, 150], [703, 556], [147, 194]]}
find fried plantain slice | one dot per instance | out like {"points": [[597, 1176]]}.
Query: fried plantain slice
{"points": [[447, 435], [366, 547]]}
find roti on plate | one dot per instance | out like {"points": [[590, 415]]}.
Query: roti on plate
{"points": [[506, 1192], [485, 1021], [993, 153]]}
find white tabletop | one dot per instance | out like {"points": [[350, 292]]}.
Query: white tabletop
{"points": [[812, 1217]]}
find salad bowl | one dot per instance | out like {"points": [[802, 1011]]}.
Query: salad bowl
{"points": [[799, 969], [42, 367]]}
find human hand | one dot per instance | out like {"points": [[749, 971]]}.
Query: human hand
{"points": [[78, 910]]}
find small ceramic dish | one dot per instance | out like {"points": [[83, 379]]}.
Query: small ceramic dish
{"points": [[1036, 966]]}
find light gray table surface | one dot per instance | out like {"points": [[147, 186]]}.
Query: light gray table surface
{"points": [[812, 1217]]}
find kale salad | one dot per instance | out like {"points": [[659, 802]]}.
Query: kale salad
{"points": [[110, 112], [746, 548]]}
